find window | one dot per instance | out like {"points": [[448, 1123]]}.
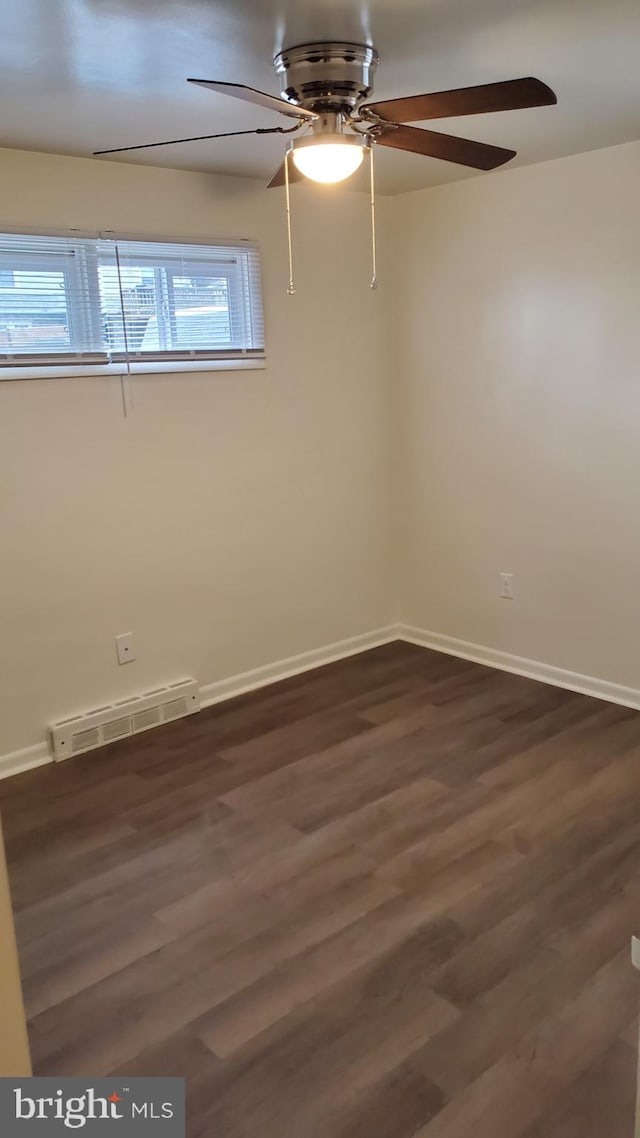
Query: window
{"points": [[116, 305]]}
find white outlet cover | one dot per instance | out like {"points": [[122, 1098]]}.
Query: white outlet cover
{"points": [[125, 648]]}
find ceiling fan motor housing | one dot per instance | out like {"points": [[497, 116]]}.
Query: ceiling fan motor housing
{"points": [[327, 77]]}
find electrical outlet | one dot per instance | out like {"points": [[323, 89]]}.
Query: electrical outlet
{"points": [[125, 648], [506, 586]]}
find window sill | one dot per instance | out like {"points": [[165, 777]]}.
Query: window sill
{"points": [[153, 368]]}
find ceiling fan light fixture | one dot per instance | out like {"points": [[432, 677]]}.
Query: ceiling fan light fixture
{"points": [[329, 159]]}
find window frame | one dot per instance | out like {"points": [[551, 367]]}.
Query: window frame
{"points": [[68, 267], [85, 313]]}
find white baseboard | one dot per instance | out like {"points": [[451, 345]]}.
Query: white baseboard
{"points": [[15, 762], [294, 665], [521, 666]]}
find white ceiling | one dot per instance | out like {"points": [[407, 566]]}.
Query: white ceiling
{"points": [[81, 75]]}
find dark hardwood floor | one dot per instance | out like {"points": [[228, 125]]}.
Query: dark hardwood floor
{"points": [[390, 897]]}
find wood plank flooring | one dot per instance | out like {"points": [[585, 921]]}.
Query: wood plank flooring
{"points": [[389, 898]]}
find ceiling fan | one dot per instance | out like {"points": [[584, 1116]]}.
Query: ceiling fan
{"points": [[324, 87]]}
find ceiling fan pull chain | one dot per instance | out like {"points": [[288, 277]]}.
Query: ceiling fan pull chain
{"points": [[291, 286], [374, 278]]}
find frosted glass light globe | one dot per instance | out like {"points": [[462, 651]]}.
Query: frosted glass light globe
{"points": [[330, 161]]}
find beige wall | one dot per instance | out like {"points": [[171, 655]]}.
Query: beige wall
{"points": [[236, 519], [517, 319], [233, 519], [14, 1048]]}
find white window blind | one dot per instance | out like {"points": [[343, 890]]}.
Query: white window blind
{"points": [[91, 301]]}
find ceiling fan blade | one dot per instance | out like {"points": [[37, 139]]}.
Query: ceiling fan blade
{"points": [[259, 98], [196, 138], [512, 95], [278, 177], [479, 155]]}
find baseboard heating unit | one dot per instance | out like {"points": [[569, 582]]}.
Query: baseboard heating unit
{"points": [[128, 716]]}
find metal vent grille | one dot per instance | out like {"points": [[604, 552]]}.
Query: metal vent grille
{"points": [[143, 719], [78, 733], [116, 729], [82, 740], [174, 709]]}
